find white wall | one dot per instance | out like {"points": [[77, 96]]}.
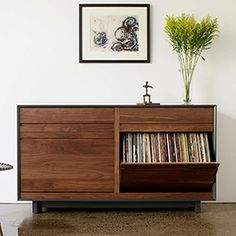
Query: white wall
{"points": [[39, 65]]}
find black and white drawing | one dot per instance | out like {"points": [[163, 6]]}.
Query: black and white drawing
{"points": [[114, 33]]}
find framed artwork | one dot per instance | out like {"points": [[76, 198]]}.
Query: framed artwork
{"points": [[114, 33]]}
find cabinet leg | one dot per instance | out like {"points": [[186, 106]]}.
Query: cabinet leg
{"points": [[37, 208], [197, 207]]}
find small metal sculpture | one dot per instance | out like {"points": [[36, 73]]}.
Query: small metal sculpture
{"points": [[146, 96]]}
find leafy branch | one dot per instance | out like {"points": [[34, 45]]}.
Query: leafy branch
{"points": [[189, 39]]}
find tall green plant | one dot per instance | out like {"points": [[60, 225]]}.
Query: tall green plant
{"points": [[189, 39]]}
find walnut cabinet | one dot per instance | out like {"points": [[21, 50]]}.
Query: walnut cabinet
{"points": [[72, 156]]}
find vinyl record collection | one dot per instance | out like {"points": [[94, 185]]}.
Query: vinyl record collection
{"points": [[165, 147]]}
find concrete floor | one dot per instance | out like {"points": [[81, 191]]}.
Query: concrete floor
{"points": [[215, 219]]}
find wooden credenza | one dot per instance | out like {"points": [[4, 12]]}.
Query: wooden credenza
{"points": [[72, 156]]}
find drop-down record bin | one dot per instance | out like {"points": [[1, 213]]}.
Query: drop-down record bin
{"points": [[167, 177]]}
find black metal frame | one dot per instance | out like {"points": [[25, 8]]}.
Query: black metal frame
{"points": [[38, 204], [214, 134], [81, 60], [112, 106], [18, 154]]}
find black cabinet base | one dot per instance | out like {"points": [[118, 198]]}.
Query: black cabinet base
{"points": [[37, 206]]}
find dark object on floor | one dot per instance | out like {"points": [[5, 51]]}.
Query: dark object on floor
{"points": [[1, 234], [4, 166]]}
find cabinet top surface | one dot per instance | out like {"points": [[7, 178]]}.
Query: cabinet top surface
{"points": [[118, 106]]}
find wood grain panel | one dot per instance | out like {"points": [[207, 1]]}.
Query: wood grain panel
{"points": [[168, 177], [126, 127], [64, 165], [117, 152], [79, 131], [66, 115], [163, 115], [116, 196]]}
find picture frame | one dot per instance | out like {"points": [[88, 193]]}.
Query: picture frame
{"points": [[114, 33]]}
